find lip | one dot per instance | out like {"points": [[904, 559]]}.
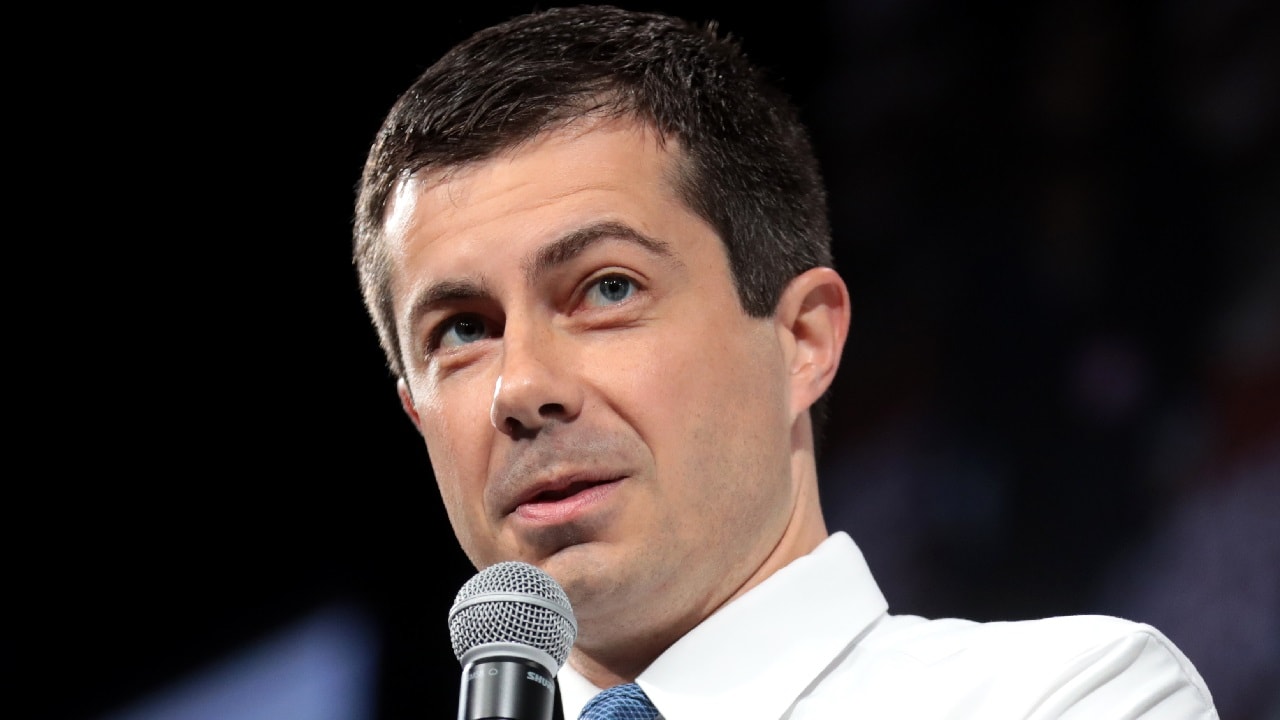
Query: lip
{"points": [[564, 498]]}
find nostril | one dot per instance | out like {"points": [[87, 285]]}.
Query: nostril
{"points": [[516, 429], [513, 427]]}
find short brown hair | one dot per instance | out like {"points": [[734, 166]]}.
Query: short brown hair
{"points": [[747, 166]]}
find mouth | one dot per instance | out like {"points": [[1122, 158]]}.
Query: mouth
{"points": [[558, 494], [563, 499]]}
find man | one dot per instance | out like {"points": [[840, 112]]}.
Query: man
{"points": [[595, 247]]}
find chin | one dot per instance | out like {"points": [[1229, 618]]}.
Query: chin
{"points": [[588, 572]]}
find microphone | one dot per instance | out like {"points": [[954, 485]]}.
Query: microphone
{"points": [[511, 626]]}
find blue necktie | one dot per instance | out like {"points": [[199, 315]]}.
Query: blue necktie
{"points": [[620, 702]]}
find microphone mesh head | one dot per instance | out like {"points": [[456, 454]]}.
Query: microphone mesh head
{"points": [[513, 602]]}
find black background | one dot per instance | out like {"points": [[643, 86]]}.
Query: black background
{"points": [[206, 443]]}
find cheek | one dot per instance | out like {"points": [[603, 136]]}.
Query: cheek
{"points": [[455, 432], [454, 419], [459, 478], [455, 449], [717, 407]]}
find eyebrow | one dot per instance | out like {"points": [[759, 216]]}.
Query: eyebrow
{"points": [[448, 291], [577, 241]]}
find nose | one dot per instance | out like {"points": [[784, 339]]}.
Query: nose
{"points": [[538, 384]]}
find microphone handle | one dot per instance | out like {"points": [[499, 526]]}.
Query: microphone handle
{"points": [[506, 687]]}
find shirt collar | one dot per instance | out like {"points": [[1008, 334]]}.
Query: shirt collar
{"points": [[756, 655]]}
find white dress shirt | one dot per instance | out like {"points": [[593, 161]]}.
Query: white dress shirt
{"points": [[815, 640]]}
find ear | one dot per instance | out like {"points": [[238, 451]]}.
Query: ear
{"points": [[812, 321], [406, 403]]}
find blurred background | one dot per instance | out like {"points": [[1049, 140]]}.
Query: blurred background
{"points": [[1060, 224]]}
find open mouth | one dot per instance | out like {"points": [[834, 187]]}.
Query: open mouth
{"points": [[551, 496]]}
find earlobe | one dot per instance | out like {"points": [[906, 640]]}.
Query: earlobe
{"points": [[813, 320], [406, 403]]}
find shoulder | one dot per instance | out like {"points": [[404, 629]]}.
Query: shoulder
{"points": [[1071, 666], [1054, 638]]}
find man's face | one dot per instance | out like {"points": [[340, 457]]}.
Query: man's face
{"points": [[592, 396]]}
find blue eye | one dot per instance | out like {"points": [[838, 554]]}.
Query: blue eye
{"points": [[461, 330], [610, 290]]}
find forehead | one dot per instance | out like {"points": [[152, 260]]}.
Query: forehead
{"points": [[591, 171]]}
